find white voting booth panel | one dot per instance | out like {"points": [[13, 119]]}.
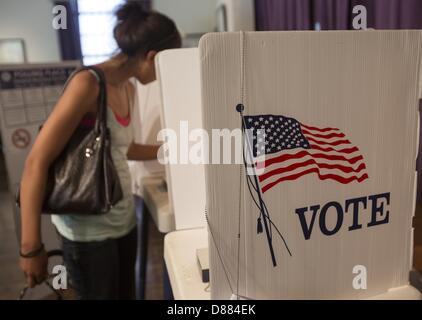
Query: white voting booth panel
{"points": [[180, 84], [350, 97]]}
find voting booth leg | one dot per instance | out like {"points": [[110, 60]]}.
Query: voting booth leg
{"points": [[142, 259]]}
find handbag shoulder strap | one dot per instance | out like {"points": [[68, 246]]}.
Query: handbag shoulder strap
{"points": [[101, 121]]}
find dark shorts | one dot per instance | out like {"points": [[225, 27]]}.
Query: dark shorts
{"points": [[102, 270]]}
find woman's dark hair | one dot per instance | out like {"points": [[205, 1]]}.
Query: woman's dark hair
{"points": [[138, 31]]}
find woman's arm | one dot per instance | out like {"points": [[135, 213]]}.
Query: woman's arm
{"points": [[141, 152], [78, 99]]}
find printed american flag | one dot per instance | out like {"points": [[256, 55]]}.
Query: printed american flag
{"points": [[293, 150]]}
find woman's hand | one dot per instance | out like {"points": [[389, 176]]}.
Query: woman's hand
{"points": [[35, 269]]}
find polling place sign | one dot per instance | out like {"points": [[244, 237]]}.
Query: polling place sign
{"points": [[329, 214], [28, 94]]}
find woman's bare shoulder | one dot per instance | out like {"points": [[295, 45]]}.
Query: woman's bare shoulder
{"points": [[83, 89], [84, 80]]}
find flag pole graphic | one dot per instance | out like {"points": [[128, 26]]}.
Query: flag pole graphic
{"points": [[240, 108]]}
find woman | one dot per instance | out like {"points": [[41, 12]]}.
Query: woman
{"points": [[99, 251]]}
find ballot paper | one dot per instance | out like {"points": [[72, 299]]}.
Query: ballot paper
{"points": [[339, 111]]}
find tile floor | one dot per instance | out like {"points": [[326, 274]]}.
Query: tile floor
{"points": [[11, 279]]}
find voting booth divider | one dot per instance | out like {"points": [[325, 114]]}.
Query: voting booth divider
{"points": [[181, 114], [329, 215]]}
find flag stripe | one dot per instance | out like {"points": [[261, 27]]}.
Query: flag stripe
{"points": [[324, 136], [318, 129], [335, 143], [346, 150], [337, 178], [320, 171], [306, 163], [301, 154]]}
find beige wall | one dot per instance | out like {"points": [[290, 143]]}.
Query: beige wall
{"points": [[31, 20], [191, 16]]}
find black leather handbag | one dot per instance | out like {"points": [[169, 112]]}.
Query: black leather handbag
{"points": [[83, 179]]}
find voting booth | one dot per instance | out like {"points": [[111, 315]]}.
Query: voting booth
{"points": [[324, 209], [181, 116]]}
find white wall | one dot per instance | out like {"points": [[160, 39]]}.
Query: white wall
{"points": [[31, 20], [191, 16]]}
